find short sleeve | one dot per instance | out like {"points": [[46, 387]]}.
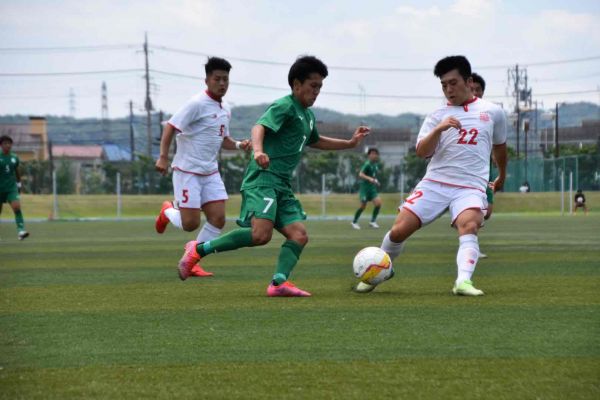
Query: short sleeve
{"points": [[365, 169], [499, 136], [182, 119], [275, 116], [431, 121]]}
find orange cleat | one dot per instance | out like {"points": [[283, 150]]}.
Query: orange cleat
{"points": [[162, 221], [286, 289], [189, 259], [198, 271]]}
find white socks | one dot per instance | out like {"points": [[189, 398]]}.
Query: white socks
{"points": [[174, 216], [392, 248], [208, 232], [466, 257]]}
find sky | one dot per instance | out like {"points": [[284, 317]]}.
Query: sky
{"points": [[384, 49]]}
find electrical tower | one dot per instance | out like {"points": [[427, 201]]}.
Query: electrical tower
{"points": [[148, 102], [72, 107], [518, 87], [105, 123]]}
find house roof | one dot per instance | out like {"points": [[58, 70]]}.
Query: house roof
{"points": [[77, 151]]}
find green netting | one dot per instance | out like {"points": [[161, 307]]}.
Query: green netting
{"points": [[544, 175]]}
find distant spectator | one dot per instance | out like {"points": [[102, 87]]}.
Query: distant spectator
{"points": [[525, 188], [579, 201]]}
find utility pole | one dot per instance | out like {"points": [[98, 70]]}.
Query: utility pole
{"points": [[104, 114], [517, 78], [556, 150], [131, 141], [72, 107], [148, 102]]}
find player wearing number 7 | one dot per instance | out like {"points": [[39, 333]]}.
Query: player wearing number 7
{"points": [[458, 138], [268, 202]]}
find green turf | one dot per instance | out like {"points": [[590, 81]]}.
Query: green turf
{"points": [[104, 206], [95, 310]]}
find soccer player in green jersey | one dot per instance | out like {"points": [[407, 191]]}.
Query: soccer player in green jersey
{"points": [[368, 188], [268, 202], [478, 88], [10, 183]]}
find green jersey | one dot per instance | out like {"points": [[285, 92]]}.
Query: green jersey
{"points": [[289, 127], [8, 167], [369, 169]]}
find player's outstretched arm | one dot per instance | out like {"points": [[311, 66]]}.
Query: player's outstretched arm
{"points": [[500, 155], [328, 143], [427, 145], [162, 164], [258, 136], [232, 144]]}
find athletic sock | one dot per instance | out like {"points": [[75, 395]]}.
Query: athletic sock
{"points": [[19, 220], [208, 232], [232, 240], [375, 213], [174, 216], [357, 215], [392, 248], [466, 257], [288, 258]]}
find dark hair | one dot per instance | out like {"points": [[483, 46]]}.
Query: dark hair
{"points": [[303, 67], [216, 63], [5, 138], [478, 79], [372, 150], [449, 63]]}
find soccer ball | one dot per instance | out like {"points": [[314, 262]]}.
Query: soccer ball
{"points": [[372, 265]]}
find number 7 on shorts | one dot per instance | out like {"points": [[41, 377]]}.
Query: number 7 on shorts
{"points": [[269, 203]]}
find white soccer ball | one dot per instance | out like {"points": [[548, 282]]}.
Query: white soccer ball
{"points": [[372, 265]]}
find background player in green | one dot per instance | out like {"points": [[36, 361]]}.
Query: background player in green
{"points": [[478, 88], [368, 188], [10, 183], [268, 202]]}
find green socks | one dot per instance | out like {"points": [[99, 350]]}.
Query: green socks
{"points": [[19, 220], [288, 258], [230, 241], [357, 214], [375, 213]]}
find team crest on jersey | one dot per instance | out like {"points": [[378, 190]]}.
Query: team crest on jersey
{"points": [[485, 117], [13, 160], [311, 124]]}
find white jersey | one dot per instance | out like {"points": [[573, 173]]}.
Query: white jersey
{"points": [[462, 157], [201, 125]]}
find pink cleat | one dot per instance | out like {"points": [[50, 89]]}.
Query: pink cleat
{"points": [[286, 289], [162, 221], [198, 271], [189, 259]]}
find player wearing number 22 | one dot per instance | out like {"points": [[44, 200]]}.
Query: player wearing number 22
{"points": [[268, 202], [458, 138]]}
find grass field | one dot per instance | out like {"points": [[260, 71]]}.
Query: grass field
{"points": [[95, 310]]}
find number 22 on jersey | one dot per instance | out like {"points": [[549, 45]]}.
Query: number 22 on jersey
{"points": [[472, 133]]}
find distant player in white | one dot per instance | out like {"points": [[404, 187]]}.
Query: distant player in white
{"points": [[201, 128], [458, 138]]}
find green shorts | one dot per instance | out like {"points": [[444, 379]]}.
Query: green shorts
{"points": [[367, 194], [490, 195], [9, 197], [279, 206]]}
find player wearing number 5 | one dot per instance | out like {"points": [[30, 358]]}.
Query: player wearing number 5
{"points": [[201, 128], [10, 183], [268, 202], [458, 138]]}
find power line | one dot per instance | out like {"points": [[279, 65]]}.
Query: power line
{"points": [[33, 74], [68, 49], [370, 69]]}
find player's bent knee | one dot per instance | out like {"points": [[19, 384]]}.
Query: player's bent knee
{"points": [[260, 238], [189, 226]]}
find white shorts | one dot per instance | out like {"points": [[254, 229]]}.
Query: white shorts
{"points": [[430, 200], [193, 191]]}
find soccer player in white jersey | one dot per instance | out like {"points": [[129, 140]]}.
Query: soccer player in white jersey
{"points": [[201, 128], [458, 138]]}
